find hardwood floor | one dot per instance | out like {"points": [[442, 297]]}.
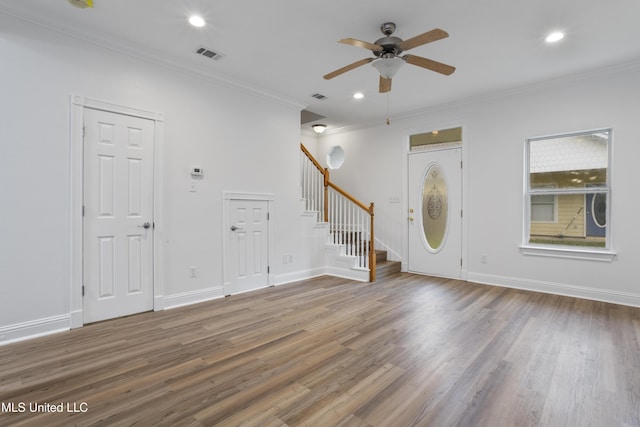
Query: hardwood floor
{"points": [[405, 351]]}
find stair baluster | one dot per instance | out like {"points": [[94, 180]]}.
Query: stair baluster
{"points": [[351, 223]]}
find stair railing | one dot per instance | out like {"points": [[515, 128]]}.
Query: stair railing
{"points": [[350, 221]]}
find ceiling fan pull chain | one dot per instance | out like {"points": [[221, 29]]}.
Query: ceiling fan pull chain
{"points": [[388, 121]]}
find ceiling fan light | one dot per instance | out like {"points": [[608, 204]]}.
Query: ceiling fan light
{"points": [[319, 128], [388, 67]]}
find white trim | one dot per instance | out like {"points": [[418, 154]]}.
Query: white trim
{"points": [[552, 250], [236, 195], [227, 197], [296, 276], [464, 180], [76, 176], [569, 252], [34, 328], [603, 295], [192, 297]]}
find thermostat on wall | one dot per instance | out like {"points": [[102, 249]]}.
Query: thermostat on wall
{"points": [[197, 171]]}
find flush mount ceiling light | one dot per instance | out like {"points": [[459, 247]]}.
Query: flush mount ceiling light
{"points": [[554, 37], [196, 21], [358, 95], [319, 128]]}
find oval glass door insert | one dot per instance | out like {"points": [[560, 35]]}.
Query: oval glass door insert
{"points": [[599, 209], [434, 207]]}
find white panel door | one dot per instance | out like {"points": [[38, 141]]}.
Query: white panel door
{"points": [[435, 213], [248, 246], [118, 215]]}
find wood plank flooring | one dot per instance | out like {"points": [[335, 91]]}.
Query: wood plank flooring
{"points": [[406, 351]]}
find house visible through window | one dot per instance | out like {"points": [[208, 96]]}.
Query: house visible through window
{"points": [[567, 190], [543, 208]]}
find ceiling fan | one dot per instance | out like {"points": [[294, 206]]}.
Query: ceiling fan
{"points": [[387, 52]]}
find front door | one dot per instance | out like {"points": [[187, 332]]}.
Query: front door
{"points": [[248, 247], [118, 215], [596, 215], [435, 213]]}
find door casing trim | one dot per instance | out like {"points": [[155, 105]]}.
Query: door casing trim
{"points": [[227, 197], [464, 273], [78, 104]]}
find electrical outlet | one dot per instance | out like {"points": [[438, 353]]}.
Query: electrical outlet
{"points": [[287, 259], [483, 259], [193, 271]]}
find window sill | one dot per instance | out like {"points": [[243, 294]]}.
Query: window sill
{"points": [[590, 254]]}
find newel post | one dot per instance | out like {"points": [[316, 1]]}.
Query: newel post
{"points": [[326, 194], [372, 251]]}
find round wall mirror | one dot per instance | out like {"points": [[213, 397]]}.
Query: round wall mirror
{"points": [[335, 157]]}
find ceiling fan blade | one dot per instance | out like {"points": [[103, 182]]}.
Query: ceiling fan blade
{"points": [[429, 64], [347, 68], [428, 37], [360, 43], [385, 85]]}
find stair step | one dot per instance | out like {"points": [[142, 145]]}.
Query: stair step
{"points": [[381, 255], [386, 269]]}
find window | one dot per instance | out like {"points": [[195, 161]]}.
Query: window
{"points": [[567, 192], [543, 208]]}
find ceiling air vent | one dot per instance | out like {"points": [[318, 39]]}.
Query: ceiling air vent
{"points": [[208, 53], [319, 96]]}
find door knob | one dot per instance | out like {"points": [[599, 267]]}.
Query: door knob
{"points": [[234, 228], [410, 218], [146, 226]]}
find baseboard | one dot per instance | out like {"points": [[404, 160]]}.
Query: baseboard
{"points": [[604, 295], [77, 319], [348, 273], [345, 273], [296, 276], [34, 328], [192, 297]]}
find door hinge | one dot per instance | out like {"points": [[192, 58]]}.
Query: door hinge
{"points": [[460, 213], [83, 131], [460, 164], [82, 290], [268, 216], [460, 262], [268, 269], [82, 210]]}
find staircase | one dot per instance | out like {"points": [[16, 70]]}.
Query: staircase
{"points": [[350, 244], [384, 267]]}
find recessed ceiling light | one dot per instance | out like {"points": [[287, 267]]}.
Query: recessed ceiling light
{"points": [[554, 37], [196, 21], [358, 95]]}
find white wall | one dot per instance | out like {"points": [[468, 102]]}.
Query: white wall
{"points": [[245, 142], [495, 129]]}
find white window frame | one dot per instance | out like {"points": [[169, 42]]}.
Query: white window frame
{"points": [[552, 250]]}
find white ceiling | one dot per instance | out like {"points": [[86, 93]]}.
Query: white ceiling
{"points": [[284, 47]]}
